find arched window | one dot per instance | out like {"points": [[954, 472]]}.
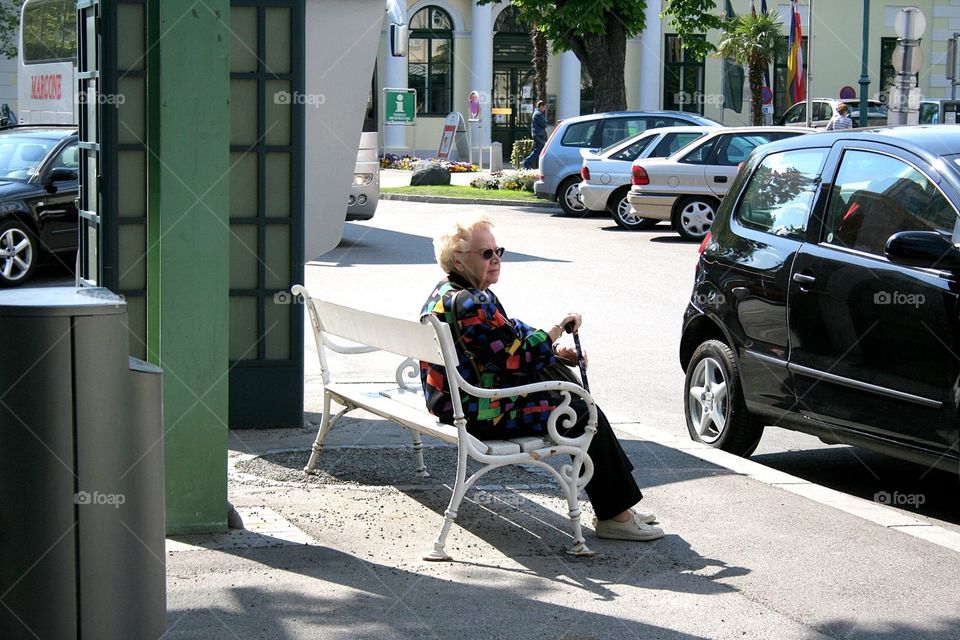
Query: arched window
{"points": [[430, 59]]}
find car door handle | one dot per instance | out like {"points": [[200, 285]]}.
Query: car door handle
{"points": [[719, 178], [804, 279]]}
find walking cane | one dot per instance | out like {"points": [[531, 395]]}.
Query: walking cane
{"points": [[580, 362]]}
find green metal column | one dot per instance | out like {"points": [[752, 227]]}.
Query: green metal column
{"points": [[188, 237]]}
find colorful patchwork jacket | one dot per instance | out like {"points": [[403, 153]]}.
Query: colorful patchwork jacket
{"points": [[505, 352]]}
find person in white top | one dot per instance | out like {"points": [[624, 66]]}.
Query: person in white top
{"points": [[841, 120]]}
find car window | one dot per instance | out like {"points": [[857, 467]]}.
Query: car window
{"points": [[875, 196], [822, 111], [580, 134], [796, 113], [68, 158], [929, 113], [633, 151], [701, 153], [616, 129], [672, 142], [780, 193], [734, 149]]}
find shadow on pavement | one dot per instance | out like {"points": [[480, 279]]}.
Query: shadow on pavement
{"points": [[910, 487], [362, 245]]}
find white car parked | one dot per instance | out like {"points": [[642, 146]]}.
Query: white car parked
{"points": [[606, 173], [686, 188]]}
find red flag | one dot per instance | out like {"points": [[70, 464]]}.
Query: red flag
{"points": [[795, 73]]}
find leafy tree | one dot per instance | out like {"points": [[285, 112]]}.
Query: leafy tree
{"points": [[9, 27], [694, 17], [753, 40], [596, 32]]}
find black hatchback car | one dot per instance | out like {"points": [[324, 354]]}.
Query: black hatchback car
{"points": [[39, 167], [827, 297]]}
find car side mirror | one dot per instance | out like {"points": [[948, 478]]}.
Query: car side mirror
{"points": [[62, 174], [925, 249]]}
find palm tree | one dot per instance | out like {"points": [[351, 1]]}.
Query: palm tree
{"points": [[753, 40]]}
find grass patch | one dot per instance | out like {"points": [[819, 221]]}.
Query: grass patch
{"points": [[458, 191]]}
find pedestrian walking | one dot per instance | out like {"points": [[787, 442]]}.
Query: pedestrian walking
{"points": [[538, 129]]}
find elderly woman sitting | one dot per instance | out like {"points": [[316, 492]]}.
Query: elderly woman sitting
{"points": [[498, 351]]}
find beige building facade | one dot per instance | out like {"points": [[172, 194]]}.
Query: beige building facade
{"points": [[457, 47]]}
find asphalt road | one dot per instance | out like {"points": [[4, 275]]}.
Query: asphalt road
{"points": [[631, 288]]}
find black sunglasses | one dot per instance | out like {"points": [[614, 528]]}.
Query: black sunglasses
{"points": [[487, 254]]}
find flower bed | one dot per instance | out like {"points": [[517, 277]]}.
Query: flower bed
{"points": [[410, 163], [514, 181]]}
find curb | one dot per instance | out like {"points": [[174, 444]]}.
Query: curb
{"points": [[444, 200], [871, 511]]}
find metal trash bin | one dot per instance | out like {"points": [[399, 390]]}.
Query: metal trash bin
{"points": [[81, 446]]}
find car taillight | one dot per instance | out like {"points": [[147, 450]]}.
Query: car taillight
{"points": [[640, 176], [706, 241], [585, 172]]}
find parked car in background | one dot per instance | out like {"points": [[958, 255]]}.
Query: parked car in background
{"points": [[826, 294], [606, 174], [686, 188], [560, 159], [39, 178], [365, 189], [825, 108]]}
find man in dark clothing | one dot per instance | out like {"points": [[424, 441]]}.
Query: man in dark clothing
{"points": [[538, 129]]}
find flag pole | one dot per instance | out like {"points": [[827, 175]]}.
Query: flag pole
{"points": [[808, 63]]}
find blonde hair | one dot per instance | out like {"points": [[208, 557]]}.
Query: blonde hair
{"points": [[457, 238]]}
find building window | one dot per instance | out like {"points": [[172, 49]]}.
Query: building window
{"points": [[781, 100], [682, 77], [430, 57]]}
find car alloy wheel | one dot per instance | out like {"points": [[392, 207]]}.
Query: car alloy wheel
{"points": [[620, 209], [18, 253], [569, 198], [694, 217], [713, 401]]}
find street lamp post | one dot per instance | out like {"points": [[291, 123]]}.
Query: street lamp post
{"points": [[864, 69]]}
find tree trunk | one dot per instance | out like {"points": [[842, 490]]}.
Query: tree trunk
{"points": [[540, 53], [756, 97], [603, 58]]}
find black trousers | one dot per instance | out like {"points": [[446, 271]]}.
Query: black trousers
{"points": [[612, 490]]}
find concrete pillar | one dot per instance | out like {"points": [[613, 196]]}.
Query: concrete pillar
{"points": [[568, 102], [188, 291], [481, 77], [650, 59]]}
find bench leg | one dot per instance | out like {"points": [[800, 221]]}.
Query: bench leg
{"points": [[325, 425], [459, 491], [418, 449], [572, 491]]}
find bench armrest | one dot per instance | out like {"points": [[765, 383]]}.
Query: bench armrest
{"points": [[563, 416]]}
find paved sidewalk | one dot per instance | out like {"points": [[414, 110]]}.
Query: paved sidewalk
{"points": [[339, 555]]}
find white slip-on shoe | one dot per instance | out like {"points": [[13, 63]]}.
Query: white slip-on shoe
{"points": [[632, 529], [646, 518]]}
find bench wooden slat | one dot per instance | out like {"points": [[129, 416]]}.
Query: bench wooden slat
{"points": [[402, 337]]}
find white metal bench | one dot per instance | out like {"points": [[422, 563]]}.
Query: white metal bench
{"points": [[430, 340]]}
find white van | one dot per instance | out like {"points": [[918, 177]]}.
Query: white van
{"points": [[365, 190]]}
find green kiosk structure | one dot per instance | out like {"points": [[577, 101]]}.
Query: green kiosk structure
{"points": [[203, 193]]}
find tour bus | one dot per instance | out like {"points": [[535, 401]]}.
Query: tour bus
{"points": [[47, 62], [365, 190]]}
